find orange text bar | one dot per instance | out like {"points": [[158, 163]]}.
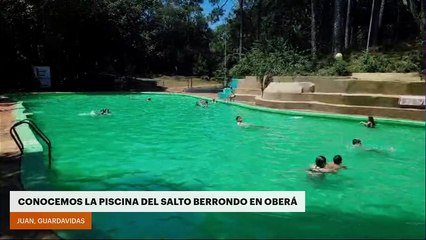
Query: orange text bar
{"points": [[50, 220]]}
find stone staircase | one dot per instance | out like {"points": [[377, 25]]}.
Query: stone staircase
{"points": [[344, 95]]}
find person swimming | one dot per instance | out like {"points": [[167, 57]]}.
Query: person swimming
{"points": [[202, 103], [103, 111], [240, 122], [320, 166], [149, 99], [370, 122], [336, 164], [358, 144]]}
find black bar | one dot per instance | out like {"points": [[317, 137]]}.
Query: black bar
{"points": [[37, 130]]}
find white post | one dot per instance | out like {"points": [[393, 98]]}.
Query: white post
{"points": [[369, 29]]}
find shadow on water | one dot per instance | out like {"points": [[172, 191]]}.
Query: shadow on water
{"points": [[251, 225], [288, 225], [222, 225]]}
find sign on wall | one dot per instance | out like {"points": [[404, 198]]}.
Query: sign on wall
{"points": [[42, 73]]}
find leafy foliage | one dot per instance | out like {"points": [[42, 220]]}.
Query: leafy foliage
{"points": [[275, 57], [340, 68], [379, 62], [86, 38]]}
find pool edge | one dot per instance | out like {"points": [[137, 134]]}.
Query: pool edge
{"points": [[348, 117], [33, 163]]}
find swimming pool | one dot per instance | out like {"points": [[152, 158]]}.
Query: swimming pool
{"points": [[169, 144]]}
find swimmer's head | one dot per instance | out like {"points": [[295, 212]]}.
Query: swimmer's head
{"points": [[320, 161], [149, 99], [371, 120], [337, 159], [356, 142], [239, 119]]}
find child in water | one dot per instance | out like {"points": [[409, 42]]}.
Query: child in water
{"points": [[240, 122], [358, 144], [320, 166], [202, 103], [370, 122], [336, 164], [104, 111]]}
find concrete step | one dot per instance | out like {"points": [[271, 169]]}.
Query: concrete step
{"points": [[250, 91], [389, 112], [245, 97], [402, 77], [353, 85], [360, 99]]}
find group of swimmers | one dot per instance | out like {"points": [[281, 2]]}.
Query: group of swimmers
{"points": [[204, 103], [321, 165]]}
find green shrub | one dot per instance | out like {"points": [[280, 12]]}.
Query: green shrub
{"points": [[405, 66], [375, 63], [387, 62], [275, 57], [340, 68]]}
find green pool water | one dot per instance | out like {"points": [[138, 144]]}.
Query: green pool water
{"points": [[170, 144]]}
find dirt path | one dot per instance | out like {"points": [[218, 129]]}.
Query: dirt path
{"points": [[10, 177]]}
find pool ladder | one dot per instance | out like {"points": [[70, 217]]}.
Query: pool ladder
{"points": [[35, 129]]}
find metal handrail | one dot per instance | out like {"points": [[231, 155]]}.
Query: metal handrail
{"points": [[37, 130]]}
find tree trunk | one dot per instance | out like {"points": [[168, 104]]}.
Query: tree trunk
{"points": [[313, 31], [398, 22], [259, 15], [338, 26], [422, 18], [324, 23], [375, 26], [347, 28], [240, 49], [382, 9], [225, 75], [417, 15], [371, 22]]}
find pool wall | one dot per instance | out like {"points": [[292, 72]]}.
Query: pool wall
{"points": [[356, 118], [33, 162], [347, 117]]}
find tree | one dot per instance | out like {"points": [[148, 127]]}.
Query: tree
{"points": [[415, 7], [347, 26], [313, 31], [381, 12], [338, 26], [241, 8]]}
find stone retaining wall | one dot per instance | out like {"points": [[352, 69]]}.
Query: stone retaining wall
{"points": [[401, 113]]}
